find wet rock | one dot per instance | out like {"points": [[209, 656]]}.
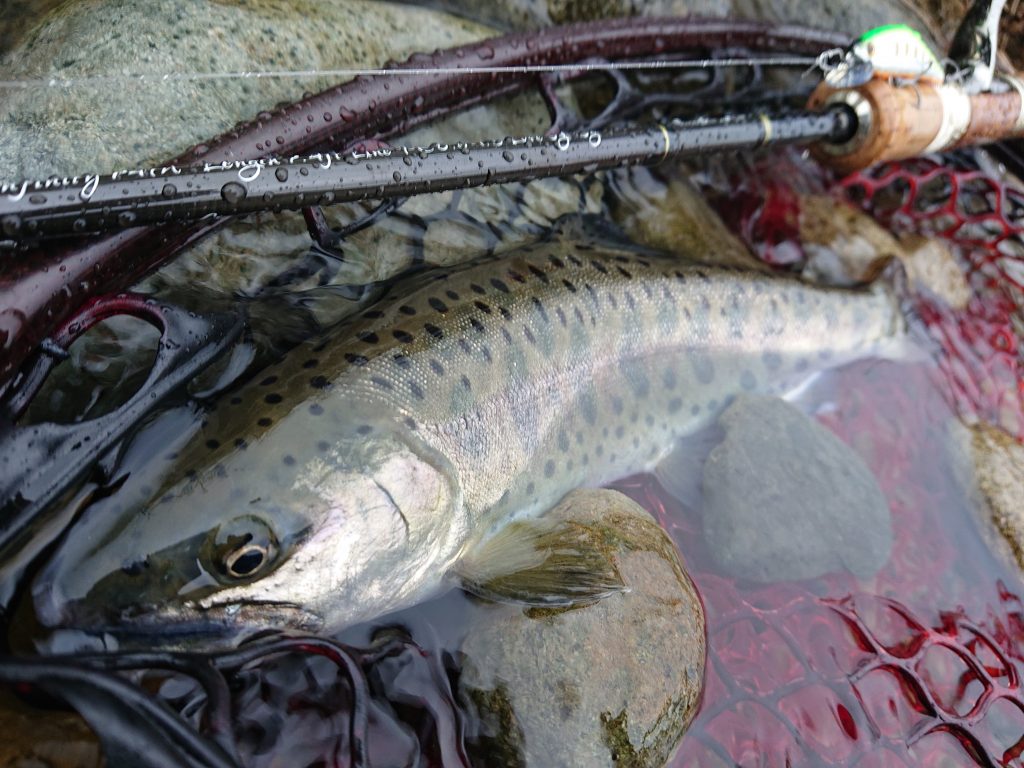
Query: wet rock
{"points": [[612, 683], [930, 264], [45, 739], [785, 499], [664, 210], [104, 125], [844, 246], [999, 477]]}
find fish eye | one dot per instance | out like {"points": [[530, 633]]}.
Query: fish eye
{"points": [[242, 548], [245, 561]]}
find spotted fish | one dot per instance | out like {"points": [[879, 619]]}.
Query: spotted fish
{"points": [[427, 437]]}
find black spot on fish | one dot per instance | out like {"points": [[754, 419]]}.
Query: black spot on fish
{"points": [[703, 367], [268, 381], [240, 443], [772, 360], [674, 404], [436, 367], [380, 382], [368, 336], [747, 380], [451, 295], [403, 336], [402, 360], [647, 291], [540, 274], [617, 404], [529, 334], [624, 272], [578, 314], [593, 294], [620, 431], [213, 444], [539, 306], [516, 276], [272, 399], [464, 346], [311, 363], [476, 324], [190, 474], [574, 261], [499, 285], [563, 440], [465, 382], [289, 460], [612, 300], [416, 389], [530, 488], [588, 408], [373, 314], [437, 305], [630, 301], [319, 382], [557, 262], [316, 409], [323, 446], [505, 313], [265, 422], [410, 422], [359, 360], [236, 400], [560, 315], [364, 429], [477, 289], [434, 331], [506, 335], [482, 306], [486, 352], [405, 309], [570, 285], [549, 468], [599, 267]]}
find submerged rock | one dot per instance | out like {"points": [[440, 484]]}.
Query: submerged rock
{"points": [[612, 683], [785, 499], [999, 477]]}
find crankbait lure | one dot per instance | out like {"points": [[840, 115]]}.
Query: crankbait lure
{"points": [[893, 51]]}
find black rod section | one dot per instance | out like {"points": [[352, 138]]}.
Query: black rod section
{"points": [[91, 203]]}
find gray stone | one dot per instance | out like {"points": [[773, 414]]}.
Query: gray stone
{"points": [[615, 682], [784, 498]]}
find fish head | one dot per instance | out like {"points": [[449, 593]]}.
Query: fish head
{"points": [[313, 541]]}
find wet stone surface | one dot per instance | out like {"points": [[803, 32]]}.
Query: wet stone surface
{"points": [[825, 508], [611, 683]]}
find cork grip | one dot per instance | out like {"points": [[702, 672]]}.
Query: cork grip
{"points": [[901, 121]]}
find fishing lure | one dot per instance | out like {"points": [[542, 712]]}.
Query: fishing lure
{"points": [[892, 52]]}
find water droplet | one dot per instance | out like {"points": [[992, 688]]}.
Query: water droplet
{"points": [[79, 225], [169, 190], [509, 157], [37, 199], [303, 170], [347, 115], [11, 225], [396, 176], [279, 139], [485, 52], [281, 174], [233, 193], [328, 117], [126, 218]]}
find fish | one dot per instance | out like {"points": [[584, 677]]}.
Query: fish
{"points": [[419, 444]]}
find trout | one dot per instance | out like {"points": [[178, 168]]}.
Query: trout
{"points": [[425, 438]]}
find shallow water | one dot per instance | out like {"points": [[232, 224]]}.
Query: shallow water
{"points": [[919, 666]]}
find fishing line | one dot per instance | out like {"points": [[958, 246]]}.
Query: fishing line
{"points": [[824, 61]]}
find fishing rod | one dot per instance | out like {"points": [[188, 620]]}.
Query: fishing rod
{"points": [[886, 97]]}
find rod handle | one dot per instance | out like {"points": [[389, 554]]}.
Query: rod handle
{"points": [[895, 122]]}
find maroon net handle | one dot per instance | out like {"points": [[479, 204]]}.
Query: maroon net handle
{"points": [[44, 290]]}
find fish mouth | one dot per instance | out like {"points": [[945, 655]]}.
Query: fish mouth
{"points": [[188, 626]]}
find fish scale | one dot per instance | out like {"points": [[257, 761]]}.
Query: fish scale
{"points": [[466, 399]]}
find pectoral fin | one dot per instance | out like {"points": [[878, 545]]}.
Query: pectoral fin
{"points": [[681, 471], [543, 563]]}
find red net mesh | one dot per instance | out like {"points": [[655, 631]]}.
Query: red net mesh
{"points": [[923, 665]]}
